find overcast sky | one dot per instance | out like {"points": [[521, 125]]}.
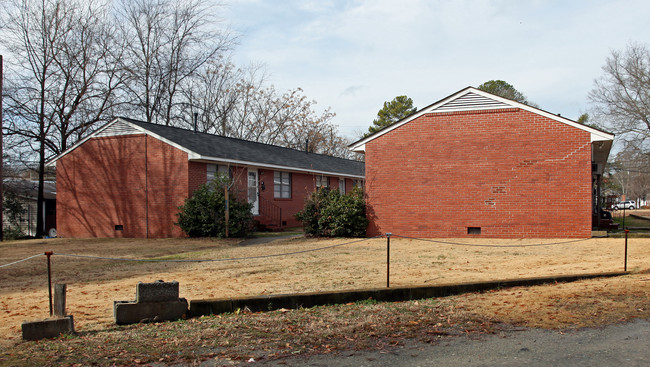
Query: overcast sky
{"points": [[354, 55]]}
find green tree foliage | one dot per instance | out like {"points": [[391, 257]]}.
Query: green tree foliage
{"points": [[393, 111], [203, 214], [585, 119], [328, 213], [506, 90]]}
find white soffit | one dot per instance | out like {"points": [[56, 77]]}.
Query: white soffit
{"points": [[472, 99]]}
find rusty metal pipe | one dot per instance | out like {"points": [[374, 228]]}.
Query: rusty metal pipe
{"points": [[49, 279]]}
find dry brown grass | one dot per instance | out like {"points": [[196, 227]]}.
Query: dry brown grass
{"points": [[93, 285]]}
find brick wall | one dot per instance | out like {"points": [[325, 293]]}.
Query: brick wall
{"points": [[197, 175], [133, 181], [168, 179], [510, 172], [302, 185], [138, 183]]}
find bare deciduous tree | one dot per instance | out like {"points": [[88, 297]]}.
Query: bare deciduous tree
{"points": [[167, 42], [621, 96], [216, 92], [62, 80], [235, 102], [630, 170], [80, 62], [71, 70]]}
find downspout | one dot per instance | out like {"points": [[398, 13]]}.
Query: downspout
{"points": [[146, 187]]}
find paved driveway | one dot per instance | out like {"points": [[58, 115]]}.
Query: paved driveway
{"points": [[615, 345]]}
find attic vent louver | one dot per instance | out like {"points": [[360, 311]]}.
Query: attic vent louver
{"points": [[471, 101], [118, 128]]}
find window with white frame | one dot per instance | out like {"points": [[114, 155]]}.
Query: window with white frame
{"points": [[282, 185], [322, 182], [342, 185]]}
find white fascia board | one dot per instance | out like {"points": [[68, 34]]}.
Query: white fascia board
{"points": [[144, 131], [153, 135], [80, 142], [596, 135], [360, 146], [272, 166]]}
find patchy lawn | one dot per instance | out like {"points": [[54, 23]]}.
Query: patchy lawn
{"points": [[94, 284], [631, 220]]}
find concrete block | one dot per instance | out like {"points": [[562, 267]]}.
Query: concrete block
{"points": [[49, 328], [126, 312], [428, 292], [254, 304], [393, 294], [306, 300], [156, 292], [59, 300], [210, 307], [289, 301], [157, 301]]}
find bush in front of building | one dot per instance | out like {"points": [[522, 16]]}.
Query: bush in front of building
{"points": [[328, 213], [204, 214], [14, 216]]}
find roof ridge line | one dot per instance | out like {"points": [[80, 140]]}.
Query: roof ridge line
{"points": [[232, 138]]}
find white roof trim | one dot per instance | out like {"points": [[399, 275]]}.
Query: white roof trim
{"points": [[596, 135], [191, 155], [118, 120], [273, 166]]}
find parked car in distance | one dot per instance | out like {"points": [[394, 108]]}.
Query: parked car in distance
{"points": [[628, 204]]}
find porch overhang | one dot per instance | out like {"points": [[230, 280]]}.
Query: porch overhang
{"points": [[599, 154]]}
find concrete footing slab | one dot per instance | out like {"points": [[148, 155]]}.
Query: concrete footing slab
{"points": [[48, 328], [305, 300], [126, 312]]}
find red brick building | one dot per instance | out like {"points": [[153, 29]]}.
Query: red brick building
{"points": [[128, 179], [477, 165]]}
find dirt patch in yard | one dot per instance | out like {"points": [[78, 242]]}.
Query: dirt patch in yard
{"points": [[93, 284]]}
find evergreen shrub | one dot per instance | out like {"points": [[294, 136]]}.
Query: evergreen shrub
{"points": [[328, 213], [203, 214]]}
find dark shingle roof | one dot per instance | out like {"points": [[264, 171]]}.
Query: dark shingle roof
{"points": [[221, 147], [29, 189]]}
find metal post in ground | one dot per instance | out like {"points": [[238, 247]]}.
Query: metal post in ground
{"points": [[49, 279], [227, 208], [625, 266], [388, 259]]}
